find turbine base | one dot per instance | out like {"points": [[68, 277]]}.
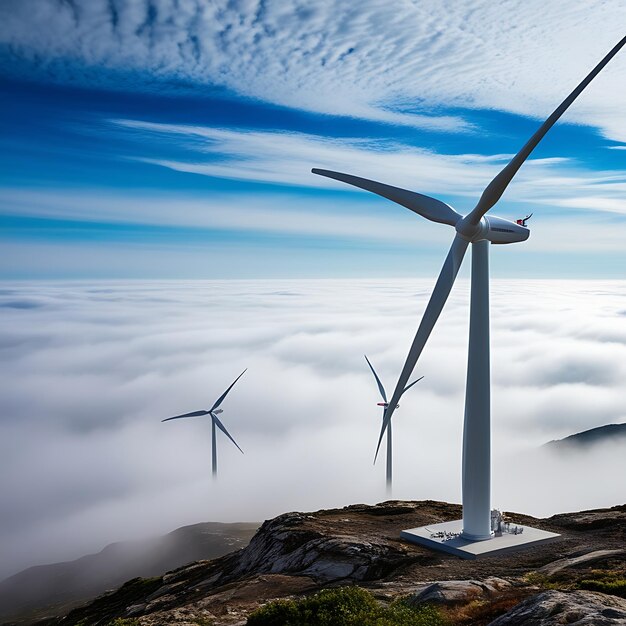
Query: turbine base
{"points": [[448, 537], [470, 537]]}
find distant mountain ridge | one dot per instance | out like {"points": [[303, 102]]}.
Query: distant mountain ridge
{"points": [[57, 586], [593, 436]]}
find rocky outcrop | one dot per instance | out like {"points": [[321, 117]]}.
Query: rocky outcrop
{"points": [[299, 553], [598, 519], [289, 544], [451, 592], [554, 608], [582, 559]]}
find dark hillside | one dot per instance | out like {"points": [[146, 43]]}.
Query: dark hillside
{"points": [[52, 588]]}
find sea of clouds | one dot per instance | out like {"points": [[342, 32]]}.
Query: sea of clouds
{"points": [[89, 370]]}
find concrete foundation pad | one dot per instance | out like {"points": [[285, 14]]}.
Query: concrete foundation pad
{"points": [[467, 549]]}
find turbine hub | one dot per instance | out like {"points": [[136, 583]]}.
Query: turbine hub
{"points": [[472, 232], [494, 229]]}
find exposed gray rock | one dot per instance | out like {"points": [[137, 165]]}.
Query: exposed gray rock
{"points": [[590, 557], [554, 608], [288, 544], [161, 591], [135, 609], [448, 592]]}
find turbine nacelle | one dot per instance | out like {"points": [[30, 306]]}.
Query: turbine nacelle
{"points": [[218, 411], [494, 229], [386, 404]]}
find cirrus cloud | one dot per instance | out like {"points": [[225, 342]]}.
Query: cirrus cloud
{"points": [[399, 63]]}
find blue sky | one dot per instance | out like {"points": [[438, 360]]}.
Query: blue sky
{"points": [[175, 140]]}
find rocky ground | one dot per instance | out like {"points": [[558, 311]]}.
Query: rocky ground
{"points": [[298, 553]]}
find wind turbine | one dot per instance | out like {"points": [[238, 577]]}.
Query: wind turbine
{"points": [[385, 404], [480, 231], [215, 422]]}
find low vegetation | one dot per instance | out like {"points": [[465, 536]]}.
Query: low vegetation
{"points": [[612, 582], [346, 606], [605, 581], [484, 611], [549, 582]]}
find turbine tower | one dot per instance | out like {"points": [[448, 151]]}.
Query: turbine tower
{"points": [[385, 404], [481, 231], [215, 422]]}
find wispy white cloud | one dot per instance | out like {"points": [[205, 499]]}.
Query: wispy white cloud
{"points": [[569, 201], [286, 158], [398, 62], [272, 213], [369, 221]]}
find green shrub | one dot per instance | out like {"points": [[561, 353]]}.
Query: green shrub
{"points": [[121, 621], [346, 606], [546, 582], [605, 582]]}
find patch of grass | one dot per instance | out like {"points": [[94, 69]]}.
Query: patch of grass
{"points": [[345, 606], [121, 621], [483, 612], [612, 582], [545, 582], [605, 581]]}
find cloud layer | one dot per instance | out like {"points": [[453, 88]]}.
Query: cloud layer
{"points": [[91, 370], [397, 62], [286, 157]]}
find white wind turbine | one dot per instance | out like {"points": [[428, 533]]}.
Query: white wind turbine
{"points": [[215, 422], [480, 231], [387, 426]]}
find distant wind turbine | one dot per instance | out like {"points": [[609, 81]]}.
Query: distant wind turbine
{"points": [[387, 425], [480, 231], [215, 422]]}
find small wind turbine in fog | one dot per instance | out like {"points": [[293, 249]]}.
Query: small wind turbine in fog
{"points": [[479, 230], [387, 425], [215, 422]]}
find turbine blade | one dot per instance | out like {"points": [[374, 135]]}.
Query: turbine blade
{"points": [[409, 386], [194, 414], [221, 398], [496, 187], [382, 431], [430, 208], [223, 429], [380, 385], [436, 303]]}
